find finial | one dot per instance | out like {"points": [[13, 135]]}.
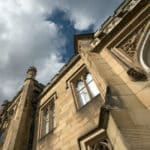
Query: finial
{"points": [[31, 72]]}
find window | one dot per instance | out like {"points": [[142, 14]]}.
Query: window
{"points": [[101, 145], [47, 118], [84, 88], [95, 140], [145, 52], [91, 85], [82, 93]]}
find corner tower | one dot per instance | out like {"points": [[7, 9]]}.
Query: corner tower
{"points": [[31, 73], [21, 125]]}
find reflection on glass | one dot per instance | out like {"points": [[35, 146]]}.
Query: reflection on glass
{"points": [[46, 116], [86, 89], [82, 93], [91, 85], [84, 96]]}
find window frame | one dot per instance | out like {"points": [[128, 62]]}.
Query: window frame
{"points": [[47, 124], [48, 103], [80, 92], [81, 74], [141, 48], [93, 138]]}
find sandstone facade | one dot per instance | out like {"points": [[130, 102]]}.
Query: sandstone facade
{"points": [[98, 101]]}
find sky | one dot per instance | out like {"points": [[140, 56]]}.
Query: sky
{"points": [[41, 33]]}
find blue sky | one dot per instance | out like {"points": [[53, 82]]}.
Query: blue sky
{"points": [[41, 33], [59, 17], [67, 28]]}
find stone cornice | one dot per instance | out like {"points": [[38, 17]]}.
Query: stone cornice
{"points": [[120, 12], [112, 26]]}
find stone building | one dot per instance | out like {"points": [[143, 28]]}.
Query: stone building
{"points": [[100, 100]]}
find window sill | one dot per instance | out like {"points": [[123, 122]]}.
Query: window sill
{"points": [[91, 101], [46, 135]]}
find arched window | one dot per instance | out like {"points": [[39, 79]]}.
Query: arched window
{"points": [[101, 146], [97, 140], [145, 52], [86, 89]]}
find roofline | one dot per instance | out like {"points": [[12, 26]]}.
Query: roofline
{"points": [[58, 76], [121, 25]]}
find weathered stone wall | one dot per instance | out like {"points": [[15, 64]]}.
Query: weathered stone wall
{"points": [[135, 94], [129, 104], [18, 132], [70, 122]]}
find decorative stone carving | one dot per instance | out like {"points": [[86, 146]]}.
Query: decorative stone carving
{"points": [[131, 5], [129, 45], [136, 76], [127, 6], [114, 20], [84, 45], [112, 24], [95, 42], [97, 33]]}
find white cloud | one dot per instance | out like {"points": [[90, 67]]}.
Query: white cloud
{"points": [[50, 66], [82, 13], [8, 88], [26, 38]]}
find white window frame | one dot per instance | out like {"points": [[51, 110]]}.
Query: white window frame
{"points": [[78, 77]]}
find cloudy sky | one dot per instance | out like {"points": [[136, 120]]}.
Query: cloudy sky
{"points": [[40, 33]]}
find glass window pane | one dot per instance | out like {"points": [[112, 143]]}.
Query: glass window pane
{"points": [[80, 85], [83, 96], [93, 89], [88, 78], [51, 116], [46, 120], [91, 85], [47, 127]]}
